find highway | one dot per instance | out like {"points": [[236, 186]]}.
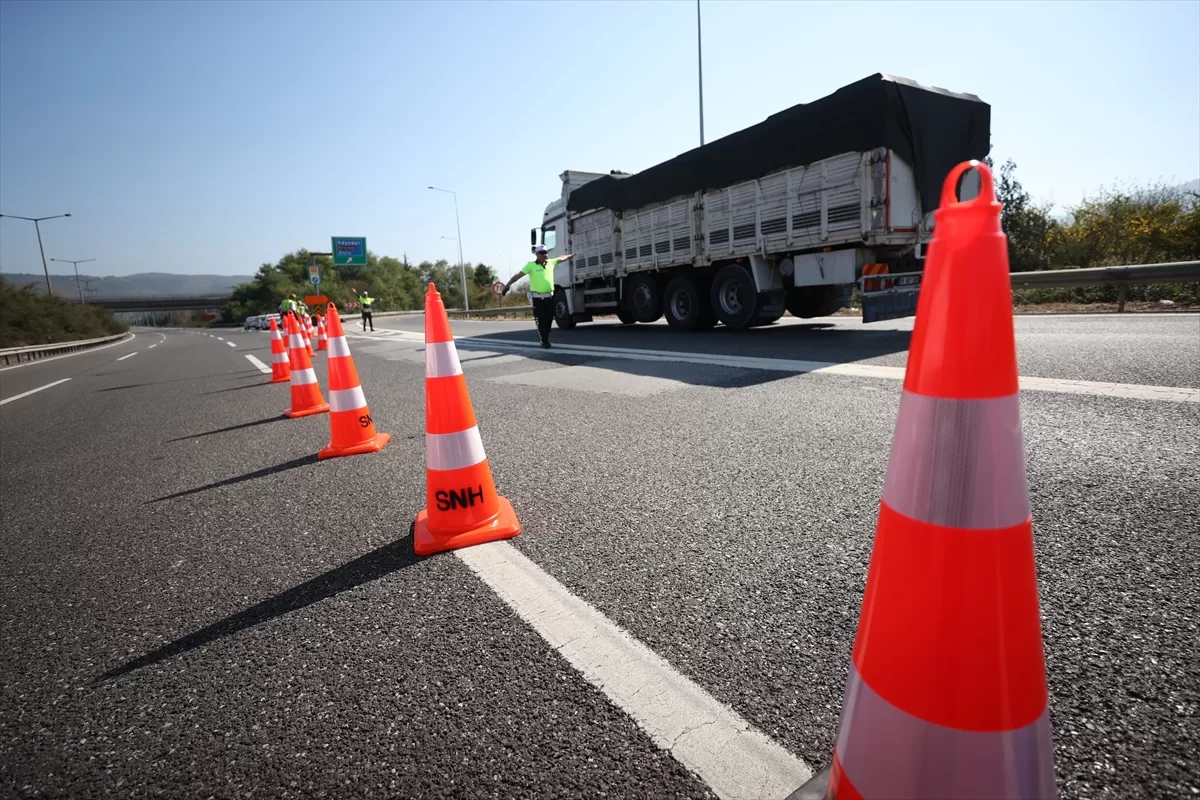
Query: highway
{"points": [[193, 605]]}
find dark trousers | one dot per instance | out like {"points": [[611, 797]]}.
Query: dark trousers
{"points": [[366, 317], [543, 311]]}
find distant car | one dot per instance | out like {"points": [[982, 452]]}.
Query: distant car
{"points": [[251, 323], [264, 322]]}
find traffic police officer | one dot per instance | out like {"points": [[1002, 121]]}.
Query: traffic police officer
{"points": [[366, 301], [541, 288]]}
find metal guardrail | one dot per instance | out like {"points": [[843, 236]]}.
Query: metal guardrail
{"points": [[35, 351], [1121, 277]]}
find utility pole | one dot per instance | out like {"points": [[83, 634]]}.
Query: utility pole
{"points": [[462, 267], [700, 64], [76, 264], [37, 227]]}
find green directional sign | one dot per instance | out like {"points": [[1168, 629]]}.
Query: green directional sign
{"points": [[349, 251]]}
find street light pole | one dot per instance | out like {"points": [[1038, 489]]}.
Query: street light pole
{"points": [[700, 64], [78, 285], [35, 221], [462, 268]]}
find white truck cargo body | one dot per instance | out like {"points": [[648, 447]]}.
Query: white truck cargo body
{"points": [[800, 237]]}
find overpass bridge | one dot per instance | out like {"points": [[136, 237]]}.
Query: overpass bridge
{"points": [[141, 304]]}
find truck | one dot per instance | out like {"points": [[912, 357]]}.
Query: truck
{"points": [[794, 214]]}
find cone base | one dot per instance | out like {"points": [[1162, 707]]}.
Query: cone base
{"points": [[288, 379], [369, 446], [503, 526], [305, 412]]}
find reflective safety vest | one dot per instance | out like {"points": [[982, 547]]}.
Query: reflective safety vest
{"points": [[287, 305], [366, 301]]}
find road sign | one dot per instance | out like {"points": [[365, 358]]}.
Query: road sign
{"points": [[314, 274], [316, 280], [349, 251], [315, 299]]}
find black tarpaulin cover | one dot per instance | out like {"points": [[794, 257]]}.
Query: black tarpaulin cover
{"points": [[931, 129]]}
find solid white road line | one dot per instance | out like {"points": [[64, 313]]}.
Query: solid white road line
{"points": [[132, 336], [32, 391], [709, 738], [263, 368], [131, 355], [231, 344], [1172, 394]]}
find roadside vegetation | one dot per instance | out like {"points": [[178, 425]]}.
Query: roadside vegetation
{"points": [[29, 318], [395, 284], [1142, 225]]}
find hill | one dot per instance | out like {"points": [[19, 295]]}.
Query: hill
{"points": [[145, 284]]}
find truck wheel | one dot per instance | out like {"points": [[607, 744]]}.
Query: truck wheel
{"points": [[562, 312], [807, 302], [625, 317], [734, 296], [643, 298], [686, 305]]}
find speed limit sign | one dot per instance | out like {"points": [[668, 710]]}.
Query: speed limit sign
{"points": [[498, 288]]}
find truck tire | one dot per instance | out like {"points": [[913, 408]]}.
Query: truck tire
{"points": [[643, 298], [734, 296], [562, 311], [686, 304], [807, 302], [625, 317]]}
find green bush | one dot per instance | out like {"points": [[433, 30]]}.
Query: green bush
{"points": [[29, 318]]}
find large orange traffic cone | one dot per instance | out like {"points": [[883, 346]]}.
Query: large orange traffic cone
{"points": [[463, 508], [280, 368], [323, 332], [946, 695], [352, 429], [306, 395]]}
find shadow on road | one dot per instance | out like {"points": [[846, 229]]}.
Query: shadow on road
{"points": [[262, 473], [229, 376], [364, 569], [818, 341], [254, 385], [239, 427]]}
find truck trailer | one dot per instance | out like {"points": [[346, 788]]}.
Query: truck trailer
{"points": [[793, 214]]}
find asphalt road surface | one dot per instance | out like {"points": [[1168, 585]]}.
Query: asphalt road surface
{"points": [[192, 605]]}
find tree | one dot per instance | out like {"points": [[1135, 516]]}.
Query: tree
{"points": [[1027, 225]]}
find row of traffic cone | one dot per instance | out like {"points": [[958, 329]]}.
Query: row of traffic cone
{"points": [[462, 506]]}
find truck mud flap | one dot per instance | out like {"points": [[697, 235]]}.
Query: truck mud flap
{"points": [[892, 305]]}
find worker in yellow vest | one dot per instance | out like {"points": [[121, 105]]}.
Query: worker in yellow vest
{"points": [[365, 298], [541, 288]]}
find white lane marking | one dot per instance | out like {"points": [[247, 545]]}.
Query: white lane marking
{"points": [[263, 368], [1133, 391], [131, 355], [231, 344], [220, 338], [132, 336], [706, 736], [32, 391], [151, 347]]}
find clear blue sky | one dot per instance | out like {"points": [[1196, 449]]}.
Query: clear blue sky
{"points": [[211, 137]]}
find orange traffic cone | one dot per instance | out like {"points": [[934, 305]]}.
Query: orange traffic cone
{"points": [[946, 695], [280, 369], [463, 508], [322, 332], [352, 429], [306, 395], [306, 333]]}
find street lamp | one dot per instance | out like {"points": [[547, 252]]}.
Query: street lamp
{"points": [[461, 265], [78, 285], [700, 72], [35, 221]]}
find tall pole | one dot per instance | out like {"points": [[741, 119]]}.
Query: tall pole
{"points": [[35, 221], [700, 64], [462, 268], [78, 285]]}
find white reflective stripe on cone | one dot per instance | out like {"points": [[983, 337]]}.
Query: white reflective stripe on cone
{"points": [[339, 347], [279, 358], [441, 360], [303, 376], [347, 399], [296, 341], [447, 451]]}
